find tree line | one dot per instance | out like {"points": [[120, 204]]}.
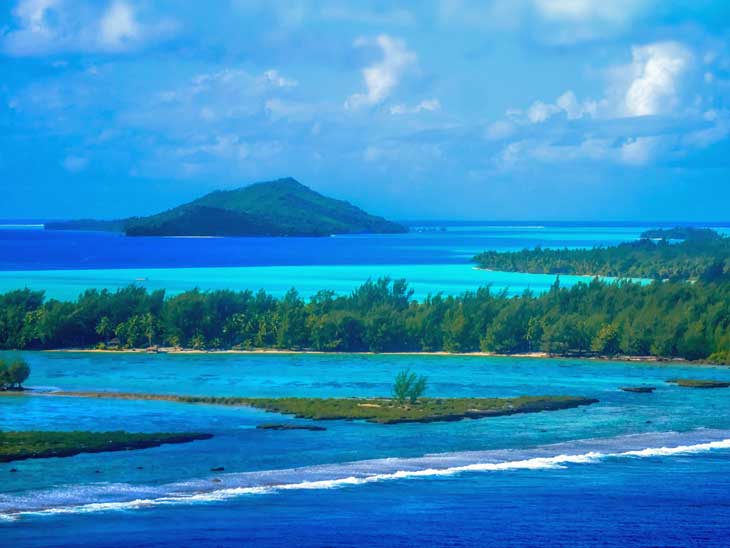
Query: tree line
{"points": [[667, 319], [703, 254]]}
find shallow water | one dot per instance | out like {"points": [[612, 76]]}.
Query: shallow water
{"points": [[451, 279], [632, 470], [266, 471], [66, 263]]}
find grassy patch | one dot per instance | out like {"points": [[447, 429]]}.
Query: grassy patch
{"points": [[39, 444], [378, 410], [699, 383], [388, 411]]}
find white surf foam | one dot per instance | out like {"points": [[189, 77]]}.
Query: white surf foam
{"points": [[359, 473]]}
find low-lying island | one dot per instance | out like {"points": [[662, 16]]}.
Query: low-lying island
{"points": [[375, 410], [35, 444]]}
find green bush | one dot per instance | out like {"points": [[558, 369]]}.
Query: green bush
{"points": [[409, 386], [13, 373]]}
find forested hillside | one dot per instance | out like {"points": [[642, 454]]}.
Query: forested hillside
{"points": [[284, 207]]}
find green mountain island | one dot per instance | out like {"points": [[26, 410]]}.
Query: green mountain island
{"points": [[284, 207]]}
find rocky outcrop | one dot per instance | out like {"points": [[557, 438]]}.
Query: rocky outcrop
{"points": [[311, 427]]}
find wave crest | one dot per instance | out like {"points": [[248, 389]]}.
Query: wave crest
{"points": [[96, 497]]}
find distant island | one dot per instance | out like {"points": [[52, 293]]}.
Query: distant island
{"points": [[681, 253], [284, 207]]}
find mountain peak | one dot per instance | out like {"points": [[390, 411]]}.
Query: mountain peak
{"points": [[282, 207]]}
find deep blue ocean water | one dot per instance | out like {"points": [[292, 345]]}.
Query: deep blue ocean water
{"points": [[32, 248], [434, 258], [632, 470]]}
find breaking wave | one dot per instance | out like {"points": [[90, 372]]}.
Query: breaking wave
{"points": [[106, 497]]}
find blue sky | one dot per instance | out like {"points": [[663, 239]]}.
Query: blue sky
{"points": [[521, 109]]}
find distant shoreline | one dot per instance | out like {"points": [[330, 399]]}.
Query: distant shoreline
{"points": [[275, 351]]}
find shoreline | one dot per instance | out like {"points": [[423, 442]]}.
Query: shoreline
{"points": [[283, 352]]}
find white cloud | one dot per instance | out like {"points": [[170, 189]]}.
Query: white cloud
{"points": [[539, 112], [638, 151], [657, 70], [513, 154], [273, 77], [718, 131], [34, 30], [586, 10], [218, 97], [615, 128], [429, 105], [650, 85], [382, 77], [118, 26], [48, 27], [547, 21], [574, 109], [567, 103], [74, 164], [232, 79], [33, 13], [572, 21]]}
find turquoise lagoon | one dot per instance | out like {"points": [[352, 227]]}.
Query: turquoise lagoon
{"points": [[450, 279], [268, 464], [66, 263], [632, 470]]}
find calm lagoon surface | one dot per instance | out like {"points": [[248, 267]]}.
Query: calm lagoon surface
{"points": [[631, 470]]}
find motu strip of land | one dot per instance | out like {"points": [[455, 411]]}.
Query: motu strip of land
{"points": [[40, 444], [376, 410]]}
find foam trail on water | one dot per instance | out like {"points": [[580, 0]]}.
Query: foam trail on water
{"points": [[682, 449], [75, 499]]}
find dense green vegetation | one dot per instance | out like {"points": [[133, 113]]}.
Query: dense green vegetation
{"points": [[389, 411], [13, 373], [702, 255], [671, 319], [700, 383], [283, 207], [378, 410], [680, 233], [39, 444]]}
